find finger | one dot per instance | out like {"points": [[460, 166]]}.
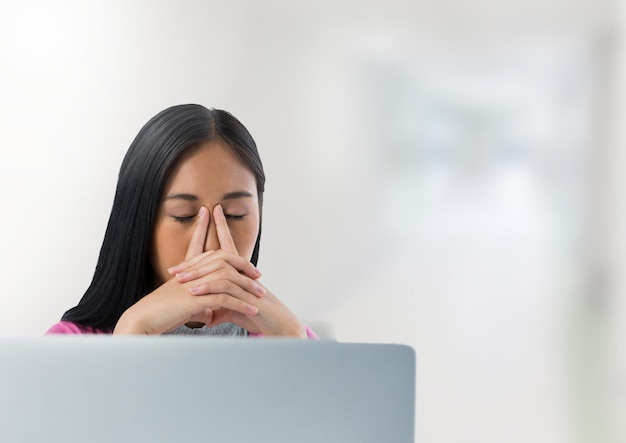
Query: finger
{"points": [[223, 279], [223, 233], [242, 290], [221, 316], [210, 262], [196, 244], [226, 301], [174, 270], [239, 319]]}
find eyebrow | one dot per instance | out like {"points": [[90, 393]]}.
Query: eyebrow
{"points": [[186, 197], [236, 194], [194, 198]]}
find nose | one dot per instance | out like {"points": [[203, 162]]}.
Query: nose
{"points": [[211, 243]]}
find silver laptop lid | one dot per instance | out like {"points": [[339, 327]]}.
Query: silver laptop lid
{"points": [[165, 389]]}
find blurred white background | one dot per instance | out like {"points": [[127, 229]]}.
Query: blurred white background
{"points": [[445, 174]]}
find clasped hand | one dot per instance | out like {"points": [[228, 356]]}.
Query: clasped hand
{"points": [[211, 287]]}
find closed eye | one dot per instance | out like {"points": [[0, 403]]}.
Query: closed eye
{"points": [[183, 220], [234, 217]]}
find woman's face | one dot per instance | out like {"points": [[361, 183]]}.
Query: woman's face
{"points": [[208, 175]]}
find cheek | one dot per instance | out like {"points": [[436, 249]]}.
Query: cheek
{"points": [[169, 246], [245, 238]]}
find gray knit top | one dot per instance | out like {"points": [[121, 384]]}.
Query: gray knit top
{"points": [[225, 329]]}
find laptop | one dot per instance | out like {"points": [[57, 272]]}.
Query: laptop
{"points": [[175, 389]]}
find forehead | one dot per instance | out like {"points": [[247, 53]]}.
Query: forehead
{"points": [[211, 167]]}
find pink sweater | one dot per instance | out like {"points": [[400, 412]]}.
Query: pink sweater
{"points": [[68, 327]]}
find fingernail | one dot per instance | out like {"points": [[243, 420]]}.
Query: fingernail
{"points": [[201, 211], [175, 269], [182, 275], [194, 290], [252, 310], [260, 290], [257, 270]]}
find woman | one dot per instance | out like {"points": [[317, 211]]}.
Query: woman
{"points": [[182, 243]]}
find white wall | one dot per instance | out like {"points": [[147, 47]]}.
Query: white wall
{"points": [[612, 368], [427, 167]]}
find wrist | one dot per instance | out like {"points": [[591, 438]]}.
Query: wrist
{"points": [[129, 325]]}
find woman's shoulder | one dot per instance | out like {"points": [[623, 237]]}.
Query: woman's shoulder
{"points": [[69, 327]]}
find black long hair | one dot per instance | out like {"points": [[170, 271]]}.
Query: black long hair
{"points": [[124, 274]]}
